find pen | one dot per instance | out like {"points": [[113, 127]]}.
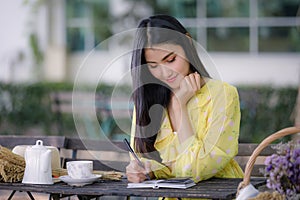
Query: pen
{"points": [[135, 157]]}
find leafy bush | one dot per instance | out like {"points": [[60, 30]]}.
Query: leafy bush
{"points": [[265, 110], [23, 107]]}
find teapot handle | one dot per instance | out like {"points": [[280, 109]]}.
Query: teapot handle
{"points": [[39, 143]]}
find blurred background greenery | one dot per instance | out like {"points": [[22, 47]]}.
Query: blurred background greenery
{"points": [[256, 43], [26, 109]]}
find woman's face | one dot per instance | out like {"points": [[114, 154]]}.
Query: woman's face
{"points": [[168, 63]]}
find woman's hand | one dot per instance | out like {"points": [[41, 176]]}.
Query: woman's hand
{"points": [[189, 85], [136, 173], [178, 110]]}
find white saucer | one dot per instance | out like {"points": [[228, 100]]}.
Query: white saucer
{"points": [[79, 182]]}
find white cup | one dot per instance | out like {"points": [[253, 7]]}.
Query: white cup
{"points": [[247, 192], [80, 169]]}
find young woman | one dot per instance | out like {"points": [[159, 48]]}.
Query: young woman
{"points": [[185, 124]]}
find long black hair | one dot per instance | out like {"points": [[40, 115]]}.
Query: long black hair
{"points": [[148, 91]]}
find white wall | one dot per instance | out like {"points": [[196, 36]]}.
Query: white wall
{"points": [[55, 50], [99, 67], [14, 41], [237, 69], [18, 20], [276, 69]]}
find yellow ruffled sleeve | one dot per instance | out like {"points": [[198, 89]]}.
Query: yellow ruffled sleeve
{"points": [[212, 149]]}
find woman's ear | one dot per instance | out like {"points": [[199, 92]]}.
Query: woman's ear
{"points": [[189, 37], [188, 34]]}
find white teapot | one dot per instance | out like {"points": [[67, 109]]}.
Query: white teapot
{"points": [[38, 164]]}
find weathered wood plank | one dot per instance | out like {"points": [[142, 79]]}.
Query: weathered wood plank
{"points": [[10, 141], [77, 144], [212, 189], [246, 149], [100, 145]]}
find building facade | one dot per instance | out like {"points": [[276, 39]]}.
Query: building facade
{"points": [[247, 41]]}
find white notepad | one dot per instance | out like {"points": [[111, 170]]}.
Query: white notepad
{"points": [[179, 183]]}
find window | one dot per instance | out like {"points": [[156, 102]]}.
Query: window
{"points": [[88, 23], [279, 39], [239, 25], [228, 8], [219, 26], [228, 39], [176, 8], [279, 8]]}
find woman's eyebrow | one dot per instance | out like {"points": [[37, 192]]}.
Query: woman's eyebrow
{"points": [[165, 57]]}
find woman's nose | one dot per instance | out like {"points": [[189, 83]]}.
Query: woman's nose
{"points": [[166, 71]]}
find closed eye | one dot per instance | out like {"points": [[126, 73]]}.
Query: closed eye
{"points": [[172, 59], [152, 66]]}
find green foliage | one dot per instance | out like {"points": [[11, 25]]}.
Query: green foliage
{"points": [[22, 107], [26, 106], [265, 110]]}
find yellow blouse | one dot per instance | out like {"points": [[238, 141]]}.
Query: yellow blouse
{"points": [[215, 115]]}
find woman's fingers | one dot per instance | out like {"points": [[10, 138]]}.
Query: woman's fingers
{"points": [[135, 173], [136, 177], [193, 81], [188, 87], [198, 80], [133, 167]]}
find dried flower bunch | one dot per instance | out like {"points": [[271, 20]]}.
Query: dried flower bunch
{"points": [[12, 166], [283, 169]]}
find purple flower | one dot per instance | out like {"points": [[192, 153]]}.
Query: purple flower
{"points": [[283, 169]]}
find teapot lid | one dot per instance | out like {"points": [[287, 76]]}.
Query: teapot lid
{"points": [[39, 145]]}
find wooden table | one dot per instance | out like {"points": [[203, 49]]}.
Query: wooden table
{"points": [[212, 189]]}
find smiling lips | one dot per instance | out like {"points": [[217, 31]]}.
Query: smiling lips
{"points": [[172, 79]]}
